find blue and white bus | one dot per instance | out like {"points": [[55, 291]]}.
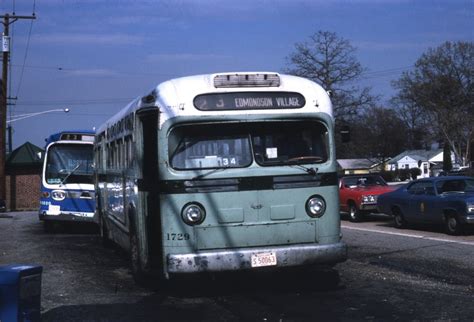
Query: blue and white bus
{"points": [[67, 188], [222, 172]]}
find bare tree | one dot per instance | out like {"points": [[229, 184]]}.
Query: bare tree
{"points": [[417, 124], [441, 86], [330, 61], [385, 133]]}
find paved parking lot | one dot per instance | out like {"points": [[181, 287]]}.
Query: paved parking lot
{"points": [[387, 277]]}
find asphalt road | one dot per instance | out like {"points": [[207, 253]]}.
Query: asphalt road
{"points": [[391, 275]]}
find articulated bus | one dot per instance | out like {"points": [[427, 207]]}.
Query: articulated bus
{"points": [[221, 172], [67, 188]]}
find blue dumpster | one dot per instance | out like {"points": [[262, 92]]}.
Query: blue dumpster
{"points": [[20, 293]]}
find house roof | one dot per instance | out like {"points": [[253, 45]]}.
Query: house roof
{"points": [[417, 155], [26, 154]]}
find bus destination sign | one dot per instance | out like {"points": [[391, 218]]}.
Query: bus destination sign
{"points": [[248, 101]]}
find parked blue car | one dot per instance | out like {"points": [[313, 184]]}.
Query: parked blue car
{"points": [[440, 200]]}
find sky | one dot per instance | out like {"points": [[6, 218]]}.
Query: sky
{"points": [[94, 56]]}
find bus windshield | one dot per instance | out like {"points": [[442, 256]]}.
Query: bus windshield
{"points": [[69, 163], [236, 145]]}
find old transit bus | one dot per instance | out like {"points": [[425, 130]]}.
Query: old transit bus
{"points": [[67, 188], [221, 172]]}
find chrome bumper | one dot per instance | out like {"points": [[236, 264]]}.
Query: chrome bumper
{"points": [[67, 216], [240, 259], [368, 206], [470, 219]]}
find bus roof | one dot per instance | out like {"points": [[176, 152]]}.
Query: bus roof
{"points": [[175, 97]]}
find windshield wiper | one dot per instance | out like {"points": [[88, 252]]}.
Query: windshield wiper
{"points": [[182, 145], [305, 159], [70, 173], [310, 170]]}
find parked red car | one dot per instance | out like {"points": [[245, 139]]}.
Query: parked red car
{"points": [[358, 194]]}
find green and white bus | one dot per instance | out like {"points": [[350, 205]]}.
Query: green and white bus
{"points": [[221, 172]]}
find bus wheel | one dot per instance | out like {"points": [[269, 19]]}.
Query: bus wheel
{"points": [[331, 279], [48, 226], [138, 274], [104, 233], [322, 278]]}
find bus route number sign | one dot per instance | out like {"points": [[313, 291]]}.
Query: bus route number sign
{"points": [[249, 101], [263, 259]]}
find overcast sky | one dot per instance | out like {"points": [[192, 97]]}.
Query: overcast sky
{"points": [[94, 56]]}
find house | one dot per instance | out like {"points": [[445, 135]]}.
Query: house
{"points": [[358, 166], [23, 177], [428, 161]]}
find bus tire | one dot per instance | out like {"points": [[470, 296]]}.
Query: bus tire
{"points": [[104, 232], [49, 226], [322, 278]]}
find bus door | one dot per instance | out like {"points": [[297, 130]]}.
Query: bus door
{"points": [[147, 216]]}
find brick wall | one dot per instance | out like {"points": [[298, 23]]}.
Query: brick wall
{"points": [[23, 190]]}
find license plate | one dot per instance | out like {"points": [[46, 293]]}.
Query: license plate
{"points": [[264, 259], [54, 210]]}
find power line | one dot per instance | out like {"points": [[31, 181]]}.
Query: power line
{"points": [[119, 74], [385, 72], [76, 102], [24, 59], [116, 100]]}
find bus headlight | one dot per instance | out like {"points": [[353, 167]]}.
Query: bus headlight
{"points": [[58, 195], [193, 213], [315, 206]]}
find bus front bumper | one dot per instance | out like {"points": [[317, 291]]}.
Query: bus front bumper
{"points": [[67, 216], [241, 259]]}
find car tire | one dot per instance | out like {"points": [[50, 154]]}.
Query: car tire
{"points": [[452, 225], [399, 219], [355, 215]]}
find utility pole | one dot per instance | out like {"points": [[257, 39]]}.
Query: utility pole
{"points": [[7, 21]]}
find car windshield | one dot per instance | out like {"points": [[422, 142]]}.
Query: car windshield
{"points": [[455, 186], [69, 163], [364, 181], [237, 145]]}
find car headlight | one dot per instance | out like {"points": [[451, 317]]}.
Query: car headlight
{"points": [[470, 207], [193, 213], [58, 195], [315, 206], [369, 199]]}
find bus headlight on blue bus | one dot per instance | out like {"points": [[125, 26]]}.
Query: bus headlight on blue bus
{"points": [[315, 206], [193, 213], [58, 195]]}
